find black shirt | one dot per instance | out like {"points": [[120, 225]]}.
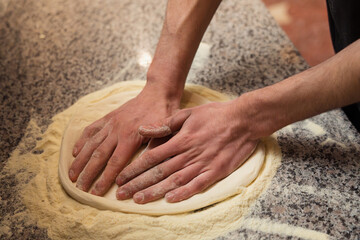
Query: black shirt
{"points": [[344, 21]]}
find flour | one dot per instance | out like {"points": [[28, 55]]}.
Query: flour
{"points": [[50, 207], [314, 128], [268, 226]]}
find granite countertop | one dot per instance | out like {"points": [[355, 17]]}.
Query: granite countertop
{"points": [[53, 52]]}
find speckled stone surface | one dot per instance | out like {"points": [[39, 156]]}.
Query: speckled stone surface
{"points": [[53, 52]]}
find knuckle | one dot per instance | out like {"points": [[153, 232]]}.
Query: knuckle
{"points": [[91, 143], [87, 130], [177, 180], [222, 167], [158, 172], [98, 154], [185, 139], [97, 139], [186, 135], [90, 130]]}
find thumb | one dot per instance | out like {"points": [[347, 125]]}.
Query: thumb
{"points": [[165, 127]]}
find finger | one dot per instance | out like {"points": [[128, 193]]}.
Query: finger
{"points": [[155, 142], [149, 159], [212, 174], [122, 154], [151, 177], [165, 127], [87, 133], [196, 185], [96, 163], [174, 181], [83, 157]]}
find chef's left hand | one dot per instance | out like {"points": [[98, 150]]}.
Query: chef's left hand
{"points": [[209, 143]]}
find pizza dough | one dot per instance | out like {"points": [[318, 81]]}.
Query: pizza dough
{"points": [[96, 105], [43, 201]]}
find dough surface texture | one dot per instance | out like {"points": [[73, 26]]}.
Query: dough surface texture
{"points": [[98, 104]]}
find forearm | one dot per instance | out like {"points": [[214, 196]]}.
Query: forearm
{"points": [[184, 25], [332, 84]]}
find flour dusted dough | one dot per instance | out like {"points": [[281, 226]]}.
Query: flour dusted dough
{"points": [[96, 105]]}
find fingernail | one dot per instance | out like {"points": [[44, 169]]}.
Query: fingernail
{"points": [[80, 186], [75, 150], [169, 196], [80, 183], [71, 174], [139, 197], [122, 195], [95, 192]]}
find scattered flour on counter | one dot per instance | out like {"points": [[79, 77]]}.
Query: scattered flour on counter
{"points": [[314, 128], [48, 205], [268, 226], [332, 141], [317, 130]]}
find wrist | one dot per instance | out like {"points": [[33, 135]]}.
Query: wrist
{"points": [[159, 94], [159, 99], [259, 112], [166, 83]]}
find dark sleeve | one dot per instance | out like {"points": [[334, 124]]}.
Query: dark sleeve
{"points": [[344, 21]]}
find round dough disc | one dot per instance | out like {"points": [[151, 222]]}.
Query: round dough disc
{"points": [[98, 104]]}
